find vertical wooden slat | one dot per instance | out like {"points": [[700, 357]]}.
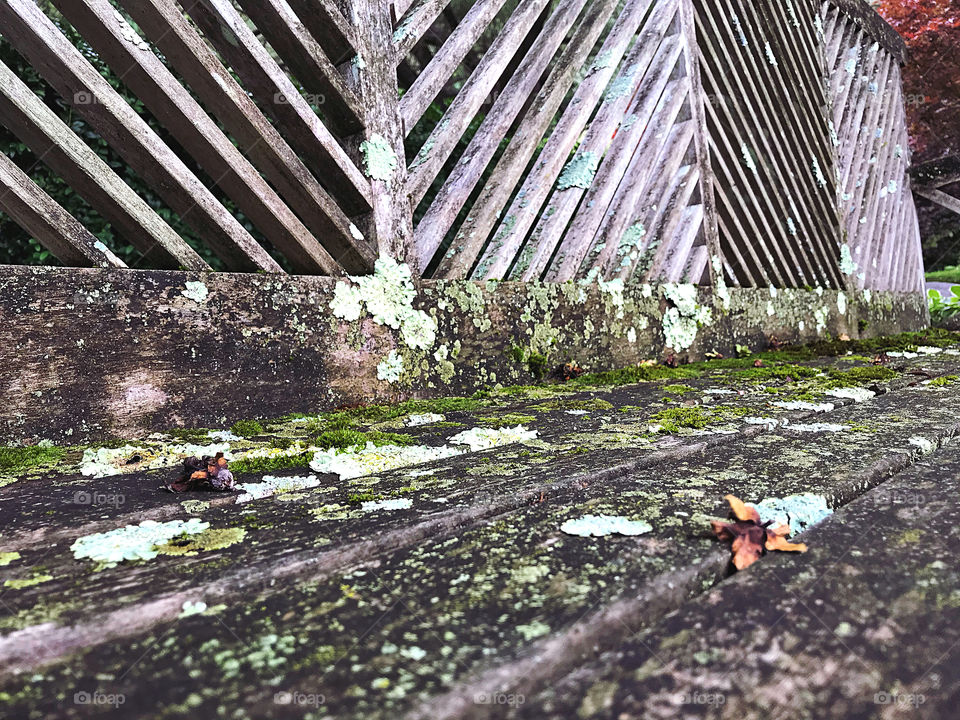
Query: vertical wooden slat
{"points": [[392, 215]]}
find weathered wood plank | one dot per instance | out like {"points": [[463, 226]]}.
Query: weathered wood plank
{"points": [[65, 68], [280, 99], [455, 48], [305, 59], [28, 117], [175, 108], [175, 37], [46, 220], [132, 362]]}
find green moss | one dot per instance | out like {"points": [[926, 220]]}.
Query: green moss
{"points": [[388, 438], [190, 435], [23, 458], [860, 375], [637, 374], [677, 389], [281, 443], [944, 381], [672, 420], [362, 497], [340, 439], [538, 365], [209, 539], [271, 464], [246, 428]]}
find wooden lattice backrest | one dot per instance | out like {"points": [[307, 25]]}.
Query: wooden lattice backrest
{"points": [[704, 141]]}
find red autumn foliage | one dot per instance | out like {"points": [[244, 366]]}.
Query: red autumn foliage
{"points": [[931, 78]]}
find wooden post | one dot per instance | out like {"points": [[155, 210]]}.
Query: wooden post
{"points": [[383, 157]]}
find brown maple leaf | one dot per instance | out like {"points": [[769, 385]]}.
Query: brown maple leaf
{"points": [[751, 539]]}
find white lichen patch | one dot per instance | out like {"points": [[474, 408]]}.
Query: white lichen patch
{"points": [[390, 368], [196, 291], [370, 460], [191, 607], [133, 542], [379, 160], [423, 419], [926, 446], [802, 405], [391, 504], [842, 303], [602, 525], [817, 427], [271, 485], [387, 297], [929, 350], [847, 264], [481, 438], [682, 322], [857, 394]]}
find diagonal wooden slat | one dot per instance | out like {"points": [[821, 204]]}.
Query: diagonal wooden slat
{"points": [[657, 101], [279, 98], [486, 213], [455, 121], [432, 78], [279, 24], [414, 26], [328, 26], [62, 65], [614, 122], [174, 107], [58, 146], [193, 59], [537, 186], [46, 220]]}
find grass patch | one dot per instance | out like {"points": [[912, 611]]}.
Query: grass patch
{"points": [[949, 274]]}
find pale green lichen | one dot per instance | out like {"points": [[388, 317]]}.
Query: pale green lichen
{"points": [[358, 461], [579, 172], [20, 583], [798, 511], [133, 542], [847, 264], [390, 368], [196, 291], [682, 321], [379, 160], [602, 525], [387, 296], [8, 557]]}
